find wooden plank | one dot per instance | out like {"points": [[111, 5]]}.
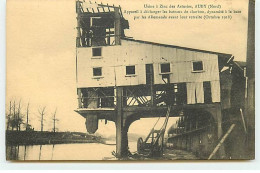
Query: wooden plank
{"points": [[119, 121], [132, 53], [243, 120], [221, 141], [215, 90], [117, 27]]}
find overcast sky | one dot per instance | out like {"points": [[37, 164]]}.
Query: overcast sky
{"points": [[41, 52]]}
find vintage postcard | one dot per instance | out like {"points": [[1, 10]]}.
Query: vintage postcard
{"points": [[149, 80]]}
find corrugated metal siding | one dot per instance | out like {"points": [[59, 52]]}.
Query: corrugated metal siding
{"points": [[195, 93], [199, 92], [191, 93], [115, 59], [215, 90]]}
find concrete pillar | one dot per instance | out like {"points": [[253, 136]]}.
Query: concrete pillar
{"points": [[219, 121], [218, 114], [121, 130]]}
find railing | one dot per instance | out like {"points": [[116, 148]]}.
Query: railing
{"points": [[97, 102], [96, 41], [140, 95]]}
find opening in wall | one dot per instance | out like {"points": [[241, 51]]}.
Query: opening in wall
{"points": [[95, 21], [149, 74], [181, 93], [97, 71], [130, 70], [207, 92], [165, 68], [166, 78], [197, 66], [96, 51]]}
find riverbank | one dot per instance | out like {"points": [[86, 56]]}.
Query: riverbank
{"points": [[40, 138], [169, 154]]}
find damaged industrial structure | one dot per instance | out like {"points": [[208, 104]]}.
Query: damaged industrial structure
{"points": [[122, 79]]}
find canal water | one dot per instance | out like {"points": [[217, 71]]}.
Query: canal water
{"points": [[82, 151]]}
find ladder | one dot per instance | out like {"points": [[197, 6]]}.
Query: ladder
{"points": [[154, 148]]}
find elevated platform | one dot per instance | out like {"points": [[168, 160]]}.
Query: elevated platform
{"points": [[141, 112]]}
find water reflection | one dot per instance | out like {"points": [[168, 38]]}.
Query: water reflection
{"points": [[89, 151], [24, 155], [52, 151]]}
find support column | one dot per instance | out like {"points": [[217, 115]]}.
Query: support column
{"points": [[222, 153], [78, 24], [117, 27], [121, 131], [219, 121], [216, 112], [79, 98]]}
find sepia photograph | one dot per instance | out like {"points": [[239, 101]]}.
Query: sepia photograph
{"points": [[150, 80]]}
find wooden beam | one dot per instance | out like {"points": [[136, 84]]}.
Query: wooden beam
{"points": [[175, 107], [221, 141], [243, 119], [117, 27], [119, 121]]}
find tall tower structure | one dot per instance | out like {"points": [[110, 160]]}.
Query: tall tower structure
{"points": [[98, 26], [121, 79]]}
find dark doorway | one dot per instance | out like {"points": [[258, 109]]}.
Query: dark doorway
{"points": [[106, 96], [181, 94], [207, 92], [149, 74]]}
